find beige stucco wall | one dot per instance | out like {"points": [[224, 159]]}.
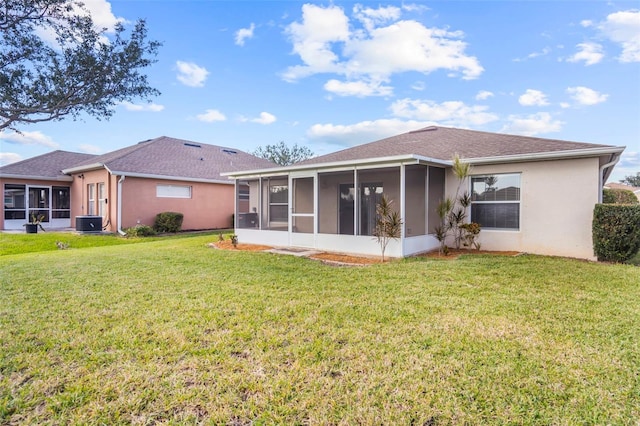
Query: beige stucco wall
{"points": [[556, 207], [210, 205]]}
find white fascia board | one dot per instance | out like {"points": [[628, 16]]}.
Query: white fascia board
{"points": [[87, 168], [28, 177], [347, 164], [164, 177], [552, 155]]}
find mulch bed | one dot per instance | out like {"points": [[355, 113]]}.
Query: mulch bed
{"points": [[344, 259]]}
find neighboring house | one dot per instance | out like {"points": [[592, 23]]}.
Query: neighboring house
{"points": [[530, 194], [129, 186], [37, 186], [614, 185]]}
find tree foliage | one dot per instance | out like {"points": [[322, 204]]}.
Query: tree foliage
{"points": [[632, 180], [388, 224], [55, 62], [282, 154]]}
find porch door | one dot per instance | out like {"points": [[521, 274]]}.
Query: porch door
{"points": [[39, 203], [302, 224]]}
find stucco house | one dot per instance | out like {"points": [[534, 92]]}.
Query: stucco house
{"points": [[615, 185], [529, 194], [128, 186]]}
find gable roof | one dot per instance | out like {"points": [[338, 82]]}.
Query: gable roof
{"points": [[171, 158], [615, 185], [442, 143], [47, 166]]}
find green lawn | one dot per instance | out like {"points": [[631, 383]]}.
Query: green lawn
{"points": [[171, 331]]}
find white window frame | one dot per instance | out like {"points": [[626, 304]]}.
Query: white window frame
{"points": [[173, 191], [518, 201]]}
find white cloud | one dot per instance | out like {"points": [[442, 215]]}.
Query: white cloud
{"points": [[545, 51], [313, 37], [533, 98], [90, 149], [372, 18], [244, 33], [102, 15], [590, 53], [328, 42], [532, 125], [484, 95], [9, 157], [363, 131], [191, 74], [142, 107], [265, 118], [624, 28], [586, 23], [211, 115], [419, 86], [28, 138], [585, 96], [450, 113], [357, 88]]}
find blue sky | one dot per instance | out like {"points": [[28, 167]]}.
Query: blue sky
{"points": [[330, 75]]}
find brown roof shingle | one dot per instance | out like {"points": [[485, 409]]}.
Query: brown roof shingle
{"points": [[165, 156], [443, 143], [49, 165]]}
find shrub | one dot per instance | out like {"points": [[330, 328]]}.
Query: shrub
{"points": [[616, 232], [168, 222], [140, 231], [618, 196]]}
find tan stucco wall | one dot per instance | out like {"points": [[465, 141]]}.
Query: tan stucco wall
{"points": [[210, 205], [556, 207]]}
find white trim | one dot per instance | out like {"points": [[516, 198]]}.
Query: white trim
{"points": [[163, 177], [339, 165], [80, 169], [28, 177], [574, 153]]}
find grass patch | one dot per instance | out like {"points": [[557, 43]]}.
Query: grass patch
{"points": [[171, 331], [46, 241]]}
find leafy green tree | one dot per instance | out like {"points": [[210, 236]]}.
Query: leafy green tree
{"points": [[55, 62], [282, 154], [632, 180]]}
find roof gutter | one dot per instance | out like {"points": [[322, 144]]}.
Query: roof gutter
{"points": [[163, 177], [56, 178], [605, 172], [87, 168], [552, 155], [337, 164], [119, 212]]}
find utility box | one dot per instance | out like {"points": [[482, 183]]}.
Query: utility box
{"points": [[89, 223]]}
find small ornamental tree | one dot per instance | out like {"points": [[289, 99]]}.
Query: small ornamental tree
{"points": [[453, 213], [388, 224]]}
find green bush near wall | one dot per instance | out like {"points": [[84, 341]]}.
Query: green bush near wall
{"points": [[168, 222], [618, 196], [616, 231]]}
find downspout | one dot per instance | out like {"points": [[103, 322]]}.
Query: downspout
{"points": [[614, 160], [119, 213]]}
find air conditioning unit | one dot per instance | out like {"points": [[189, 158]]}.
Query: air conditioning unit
{"points": [[89, 223]]}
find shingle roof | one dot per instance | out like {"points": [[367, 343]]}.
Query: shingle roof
{"points": [[165, 156], [614, 185], [443, 143], [48, 165]]}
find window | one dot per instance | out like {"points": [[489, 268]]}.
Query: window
{"points": [[173, 191], [39, 202], [102, 200], [496, 201], [60, 203], [91, 197], [14, 202], [370, 196]]}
